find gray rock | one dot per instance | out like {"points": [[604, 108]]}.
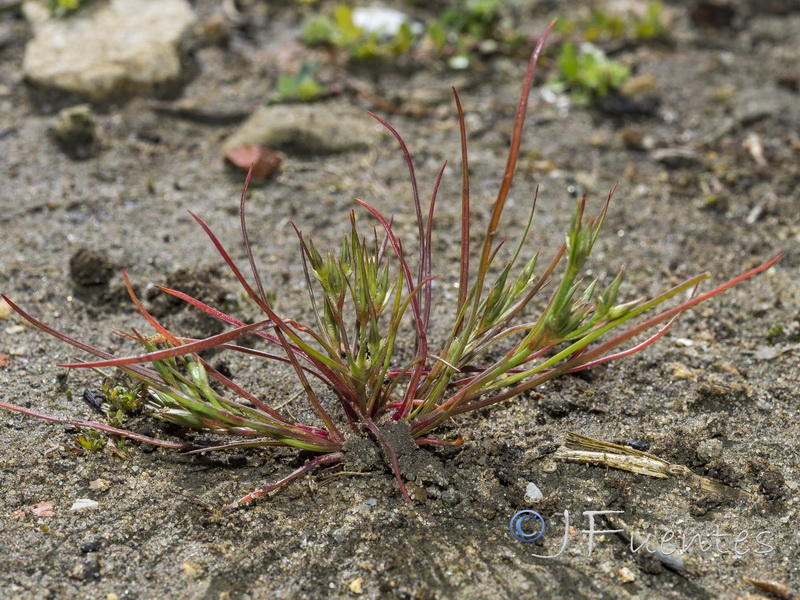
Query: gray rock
{"points": [[679, 158], [106, 49], [320, 128]]}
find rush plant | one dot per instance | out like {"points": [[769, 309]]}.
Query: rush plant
{"points": [[346, 359]]}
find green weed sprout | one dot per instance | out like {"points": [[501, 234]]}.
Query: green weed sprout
{"points": [[587, 73], [602, 26], [361, 297], [341, 32], [456, 33], [302, 86], [651, 25]]}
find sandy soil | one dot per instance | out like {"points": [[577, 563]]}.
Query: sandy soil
{"points": [[716, 395]]}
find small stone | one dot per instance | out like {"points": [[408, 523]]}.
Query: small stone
{"points": [[190, 570], [43, 509], [5, 309], [638, 85], [459, 62], [635, 139], [356, 586], [306, 129], [384, 22], [680, 371], [87, 569], [417, 492], [450, 497], [549, 467], [679, 158], [626, 575], [532, 492], [75, 132], [99, 485], [708, 450], [91, 546], [84, 504]]}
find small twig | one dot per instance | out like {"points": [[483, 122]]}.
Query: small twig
{"points": [[773, 587], [333, 476], [580, 449]]}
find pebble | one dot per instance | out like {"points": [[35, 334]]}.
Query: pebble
{"points": [[626, 575], [679, 158], [43, 509], [532, 492], [91, 546], [306, 129], [100, 485], [385, 22], [680, 371], [356, 586], [76, 133], [635, 139], [83, 504], [5, 309], [708, 450], [450, 497]]}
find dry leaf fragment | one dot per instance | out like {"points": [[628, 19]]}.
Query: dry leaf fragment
{"points": [[263, 160]]}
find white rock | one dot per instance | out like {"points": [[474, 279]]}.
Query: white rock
{"points": [[532, 492], [108, 48], [83, 504], [383, 21]]}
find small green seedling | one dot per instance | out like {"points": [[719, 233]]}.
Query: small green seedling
{"points": [[587, 73], [651, 25], [341, 32], [602, 26], [302, 86]]}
